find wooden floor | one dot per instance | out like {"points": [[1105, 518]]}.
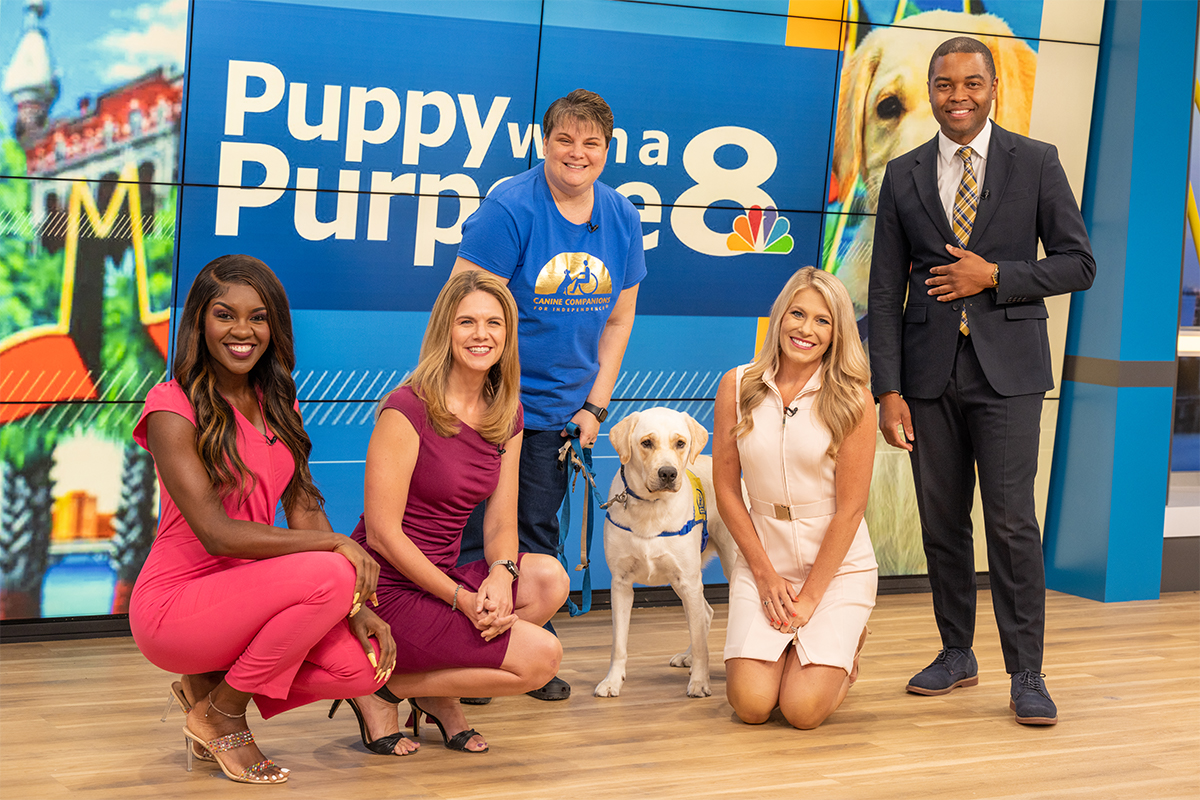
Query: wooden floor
{"points": [[80, 719]]}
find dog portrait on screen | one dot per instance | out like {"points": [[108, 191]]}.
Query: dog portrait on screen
{"points": [[883, 112]]}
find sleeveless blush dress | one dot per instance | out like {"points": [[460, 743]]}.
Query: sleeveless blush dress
{"points": [[784, 462]]}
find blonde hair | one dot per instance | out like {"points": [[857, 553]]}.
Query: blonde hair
{"points": [[840, 403], [501, 390]]}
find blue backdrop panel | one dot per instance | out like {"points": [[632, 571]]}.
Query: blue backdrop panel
{"points": [[1079, 564], [711, 133], [671, 361], [405, 119], [1139, 494], [1104, 531]]}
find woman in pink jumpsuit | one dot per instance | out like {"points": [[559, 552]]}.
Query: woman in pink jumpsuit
{"points": [[242, 608], [794, 425]]}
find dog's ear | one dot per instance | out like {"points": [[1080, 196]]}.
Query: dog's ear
{"points": [[848, 155], [620, 436], [1016, 67], [699, 438]]}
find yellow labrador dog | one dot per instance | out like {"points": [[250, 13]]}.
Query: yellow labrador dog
{"points": [[883, 107], [654, 528]]}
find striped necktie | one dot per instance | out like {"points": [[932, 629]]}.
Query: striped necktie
{"points": [[966, 201]]}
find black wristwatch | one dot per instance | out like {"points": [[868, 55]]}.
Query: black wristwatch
{"points": [[508, 565], [596, 411]]}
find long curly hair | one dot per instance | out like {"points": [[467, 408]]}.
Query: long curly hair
{"points": [[501, 389], [840, 403], [271, 378]]}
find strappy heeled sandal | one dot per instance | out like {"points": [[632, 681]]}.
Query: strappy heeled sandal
{"points": [[255, 773], [456, 742], [385, 694], [384, 745], [176, 695]]}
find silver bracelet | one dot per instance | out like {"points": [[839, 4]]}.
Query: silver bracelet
{"points": [[454, 605], [509, 565]]}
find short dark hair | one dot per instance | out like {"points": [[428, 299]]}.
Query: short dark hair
{"points": [[580, 105], [963, 44]]}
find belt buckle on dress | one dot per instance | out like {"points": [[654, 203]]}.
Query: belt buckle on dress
{"points": [[782, 512]]}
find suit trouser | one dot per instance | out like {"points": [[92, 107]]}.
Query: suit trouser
{"points": [[971, 425]]}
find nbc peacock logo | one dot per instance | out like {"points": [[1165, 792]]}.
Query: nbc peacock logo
{"points": [[760, 230]]}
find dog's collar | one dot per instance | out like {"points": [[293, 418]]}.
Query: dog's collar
{"points": [[622, 497], [699, 511]]}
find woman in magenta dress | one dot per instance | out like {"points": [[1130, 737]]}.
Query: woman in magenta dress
{"points": [[242, 608], [446, 439]]}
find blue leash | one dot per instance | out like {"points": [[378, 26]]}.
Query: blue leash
{"points": [[577, 459]]}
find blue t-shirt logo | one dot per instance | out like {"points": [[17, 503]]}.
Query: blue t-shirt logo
{"points": [[580, 276]]}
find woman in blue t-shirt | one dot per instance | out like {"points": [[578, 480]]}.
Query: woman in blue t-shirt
{"points": [[570, 250]]}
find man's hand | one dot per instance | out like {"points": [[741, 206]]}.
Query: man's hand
{"points": [[968, 276], [895, 422]]}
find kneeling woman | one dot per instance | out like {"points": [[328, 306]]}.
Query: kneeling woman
{"points": [[242, 608], [446, 439], [795, 425]]}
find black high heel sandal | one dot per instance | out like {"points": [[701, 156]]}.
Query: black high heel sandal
{"points": [[456, 742], [384, 745]]}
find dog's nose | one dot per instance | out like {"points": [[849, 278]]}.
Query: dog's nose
{"points": [[666, 475]]}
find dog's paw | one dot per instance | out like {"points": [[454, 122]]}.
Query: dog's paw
{"points": [[681, 659], [699, 688], [609, 687]]}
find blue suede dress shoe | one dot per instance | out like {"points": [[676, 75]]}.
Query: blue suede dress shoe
{"points": [[953, 667], [1031, 699]]}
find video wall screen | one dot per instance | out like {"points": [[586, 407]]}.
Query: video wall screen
{"points": [[344, 142]]}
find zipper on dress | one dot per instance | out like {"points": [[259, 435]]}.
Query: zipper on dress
{"points": [[787, 494], [787, 489]]}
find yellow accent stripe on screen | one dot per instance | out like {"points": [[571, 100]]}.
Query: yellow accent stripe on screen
{"points": [[1193, 217], [815, 24]]}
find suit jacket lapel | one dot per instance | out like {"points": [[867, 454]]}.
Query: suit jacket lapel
{"points": [[999, 167], [925, 177]]}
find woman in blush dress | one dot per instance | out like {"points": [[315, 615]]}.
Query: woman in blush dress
{"points": [[794, 425], [242, 608], [446, 439]]}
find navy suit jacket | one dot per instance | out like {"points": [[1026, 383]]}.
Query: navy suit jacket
{"points": [[1025, 197]]}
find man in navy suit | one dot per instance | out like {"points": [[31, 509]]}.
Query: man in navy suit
{"points": [[960, 369]]}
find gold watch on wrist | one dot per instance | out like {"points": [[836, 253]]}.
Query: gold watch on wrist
{"points": [[995, 275]]}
